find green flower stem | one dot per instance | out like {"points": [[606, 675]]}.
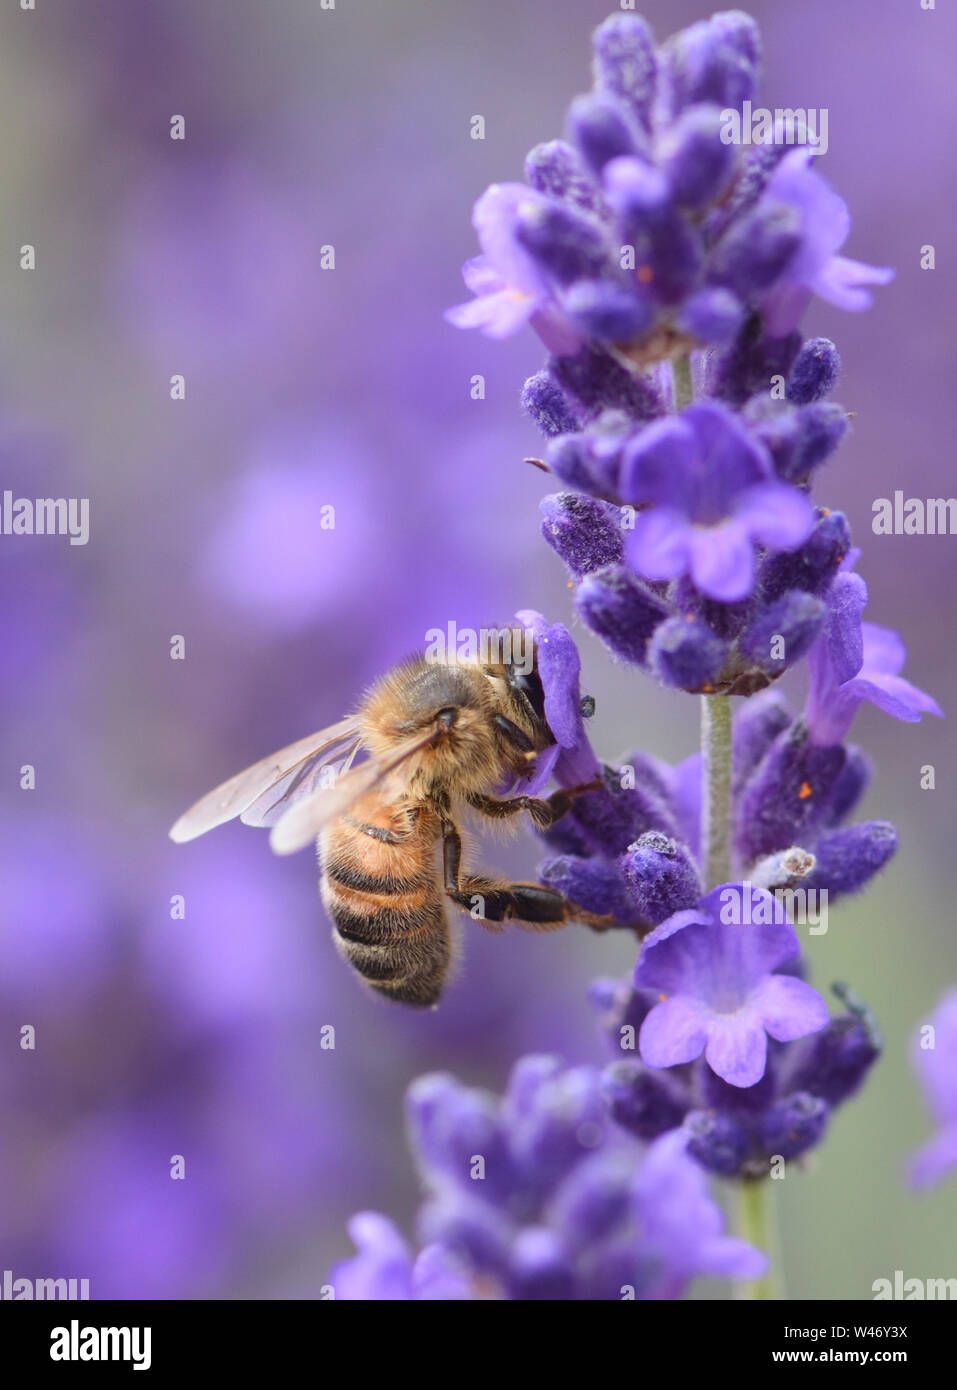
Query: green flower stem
{"points": [[716, 797], [757, 1225], [681, 379]]}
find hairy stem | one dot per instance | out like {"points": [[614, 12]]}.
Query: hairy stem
{"points": [[757, 1225], [681, 381], [716, 797]]}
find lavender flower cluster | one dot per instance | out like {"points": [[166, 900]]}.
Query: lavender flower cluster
{"points": [[541, 1196], [666, 271]]}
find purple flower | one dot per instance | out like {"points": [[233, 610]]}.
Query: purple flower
{"points": [[815, 267], [731, 1131], [559, 667], [714, 969], [934, 1052], [853, 661], [713, 496], [510, 287], [384, 1268]]}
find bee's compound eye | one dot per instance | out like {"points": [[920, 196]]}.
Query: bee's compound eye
{"points": [[447, 717], [587, 706]]}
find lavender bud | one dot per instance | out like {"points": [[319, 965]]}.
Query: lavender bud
{"points": [[583, 531], [470, 1227], [798, 439], [654, 794], [615, 816], [813, 565], [755, 251], [686, 655], [749, 363], [599, 127], [625, 62], [794, 1125], [834, 1062], [566, 244], [601, 383], [696, 161], [719, 1142], [449, 1123], [555, 169], [661, 878], [608, 311], [590, 461], [668, 249], [786, 799], [525, 1082], [594, 1198], [644, 1102], [782, 632], [567, 1121], [594, 884], [544, 400], [539, 1268], [618, 609], [711, 316], [815, 371], [715, 60], [851, 784], [848, 859]]}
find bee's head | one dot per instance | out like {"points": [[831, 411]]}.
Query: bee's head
{"points": [[450, 701]]}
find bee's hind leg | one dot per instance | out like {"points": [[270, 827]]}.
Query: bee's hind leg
{"points": [[491, 902]]}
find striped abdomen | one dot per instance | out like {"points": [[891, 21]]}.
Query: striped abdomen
{"points": [[380, 887]]}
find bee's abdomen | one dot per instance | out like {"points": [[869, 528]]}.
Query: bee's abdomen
{"points": [[390, 926]]}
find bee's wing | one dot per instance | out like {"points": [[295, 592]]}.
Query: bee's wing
{"points": [[302, 779], [291, 764], [303, 821]]}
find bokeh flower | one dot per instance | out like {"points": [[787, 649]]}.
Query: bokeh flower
{"points": [[934, 1054], [539, 1195]]}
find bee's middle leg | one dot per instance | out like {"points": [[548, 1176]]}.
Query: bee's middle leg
{"points": [[544, 811]]}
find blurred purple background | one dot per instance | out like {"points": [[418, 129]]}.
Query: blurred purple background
{"points": [[307, 388]]}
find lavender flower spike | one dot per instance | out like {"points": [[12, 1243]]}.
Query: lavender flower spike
{"points": [[713, 496], [714, 970], [936, 1067], [853, 661]]}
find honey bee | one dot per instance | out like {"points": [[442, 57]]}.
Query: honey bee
{"points": [[440, 737]]}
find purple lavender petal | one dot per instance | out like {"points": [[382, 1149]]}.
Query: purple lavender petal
{"points": [[737, 1049], [789, 1008], [658, 546], [722, 561], [778, 516]]}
